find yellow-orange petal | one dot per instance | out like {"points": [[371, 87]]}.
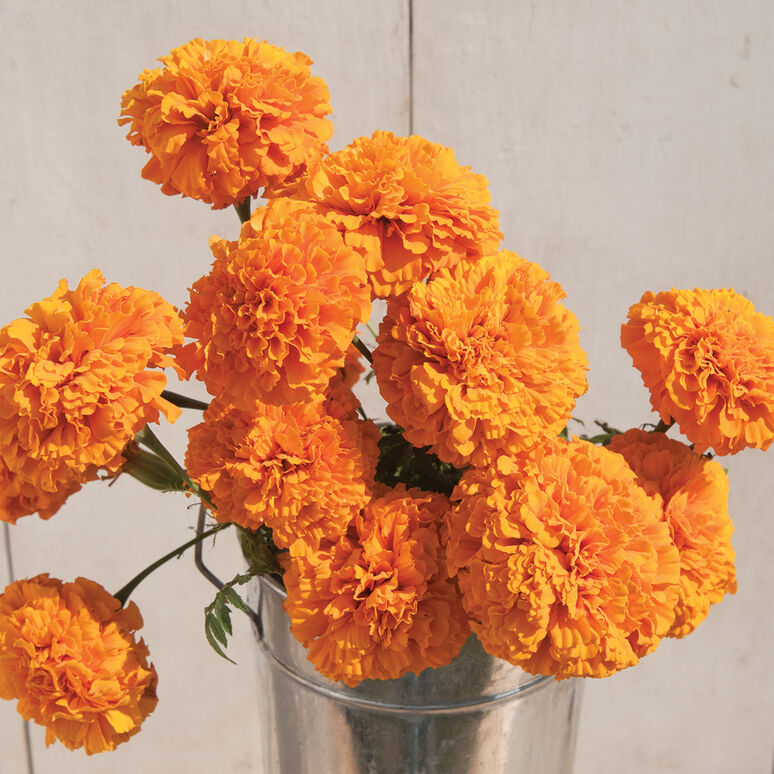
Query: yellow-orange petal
{"points": [[694, 493], [70, 657], [222, 119], [707, 358], [481, 359], [377, 604], [564, 563]]}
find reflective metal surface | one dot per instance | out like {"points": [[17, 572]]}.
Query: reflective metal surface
{"points": [[476, 715]]}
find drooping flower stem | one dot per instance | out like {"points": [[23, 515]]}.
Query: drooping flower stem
{"points": [[183, 401], [243, 209], [122, 595], [362, 349]]}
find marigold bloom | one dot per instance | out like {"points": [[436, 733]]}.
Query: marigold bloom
{"points": [[75, 385], [707, 358], [406, 204], [694, 492], [69, 655], [294, 468], [377, 604], [275, 316], [222, 119], [18, 498], [482, 358], [564, 563]]}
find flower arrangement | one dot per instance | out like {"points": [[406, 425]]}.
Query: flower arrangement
{"points": [[474, 510]]}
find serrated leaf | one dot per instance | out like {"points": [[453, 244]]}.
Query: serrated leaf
{"points": [[214, 645], [217, 629], [224, 619], [217, 615], [234, 599]]}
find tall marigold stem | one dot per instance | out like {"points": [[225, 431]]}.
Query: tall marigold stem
{"points": [[183, 401], [122, 595], [662, 426], [243, 209], [362, 349]]}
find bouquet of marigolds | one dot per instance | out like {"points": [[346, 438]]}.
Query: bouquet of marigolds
{"points": [[474, 510]]}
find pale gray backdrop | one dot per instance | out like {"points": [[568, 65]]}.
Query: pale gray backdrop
{"points": [[628, 146]]}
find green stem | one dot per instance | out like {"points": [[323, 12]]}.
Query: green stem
{"points": [[662, 426], [149, 469], [148, 438], [183, 401], [373, 331], [123, 594], [362, 349], [243, 209]]}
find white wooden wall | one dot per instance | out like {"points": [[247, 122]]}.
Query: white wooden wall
{"points": [[629, 146]]}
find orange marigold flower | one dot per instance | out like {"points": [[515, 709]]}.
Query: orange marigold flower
{"points": [[377, 604], [564, 562], [294, 468], [694, 492], [222, 119], [482, 358], [707, 358], [69, 655], [406, 204], [75, 385], [18, 498], [275, 316]]}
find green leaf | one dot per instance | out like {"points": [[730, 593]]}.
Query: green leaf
{"points": [[402, 463], [261, 553], [211, 639], [234, 599], [218, 626], [218, 632]]}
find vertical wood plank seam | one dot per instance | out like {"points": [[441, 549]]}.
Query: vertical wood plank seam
{"points": [[11, 579], [8, 559], [411, 66]]}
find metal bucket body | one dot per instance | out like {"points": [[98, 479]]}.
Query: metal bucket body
{"points": [[478, 714]]}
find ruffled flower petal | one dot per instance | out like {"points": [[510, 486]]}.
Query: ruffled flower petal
{"points": [[223, 119], [377, 604], [405, 204], [274, 318], [564, 562], [694, 492], [482, 358], [75, 387], [295, 468], [70, 657], [707, 358]]}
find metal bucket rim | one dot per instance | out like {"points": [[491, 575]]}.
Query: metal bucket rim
{"points": [[472, 705]]}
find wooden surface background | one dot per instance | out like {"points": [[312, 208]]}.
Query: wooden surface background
{"points": [[629, 146]]}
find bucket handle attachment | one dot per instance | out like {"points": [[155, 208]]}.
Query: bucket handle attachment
{"points": [[214, 580]]}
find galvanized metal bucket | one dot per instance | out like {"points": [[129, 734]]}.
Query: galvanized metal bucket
{"points": [[478, 714]]}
